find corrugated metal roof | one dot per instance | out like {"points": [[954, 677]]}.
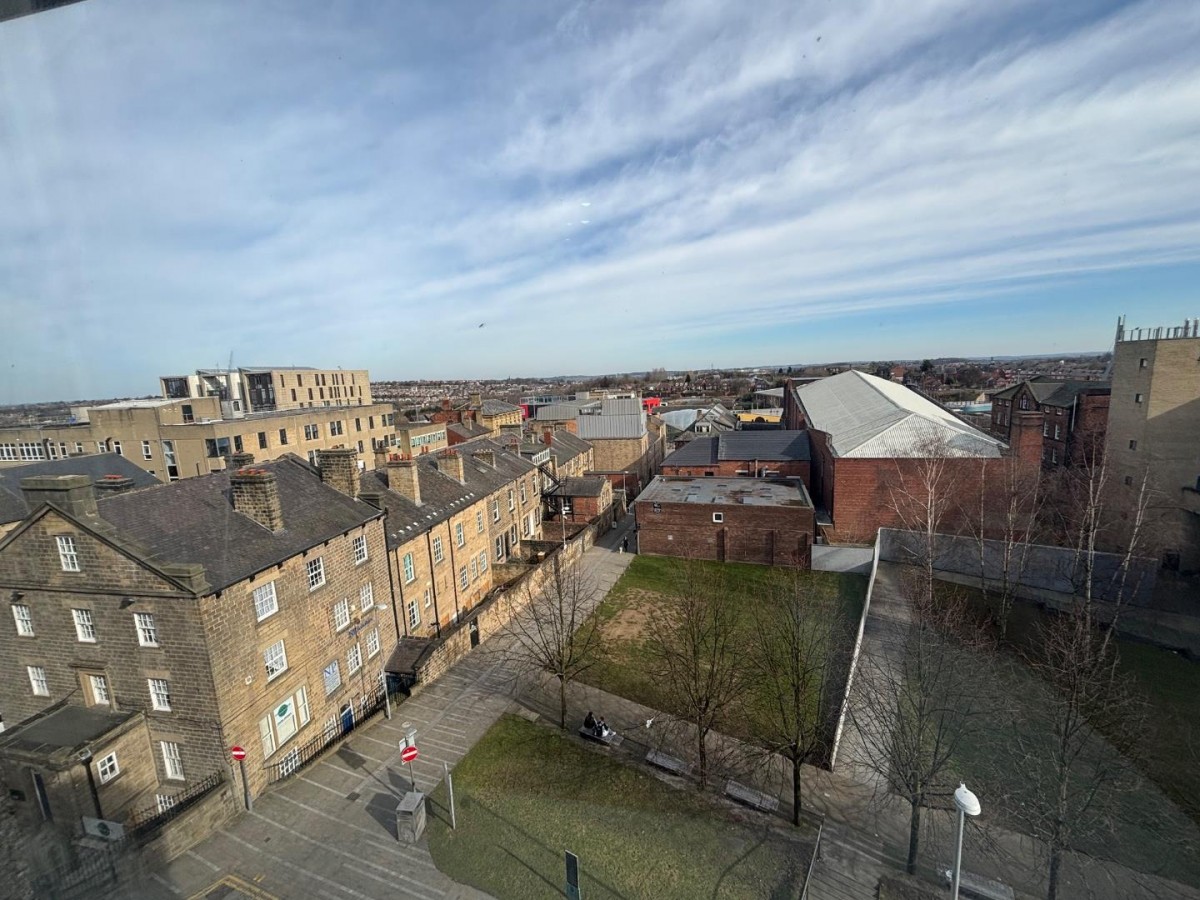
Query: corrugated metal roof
{"points": [[600, 427], [620, 406], [557, 412], [871, 417]]}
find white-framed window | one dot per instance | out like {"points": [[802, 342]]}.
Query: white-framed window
{"points": [[1057, 432], [160, 694], [101, 447], [511, 502], [314, 458], [460, 536], [341, 614], [360, 549], [479, 521], [108, 768], [37, 680], [525, 526], [67, 556], [24, 619], [372, 643], [312, 432], [482, 561], [165, 802], [1045, 429], [147, 634], [463, 580], [438, 555], [410, 571], [512, 535], [718, 517], [474, 569], [286, 718], [266, 603], [146, 452], [172, 760], [117, 448], [98, 685], [428, 598], [499, 549], [85, 625], [316, 573], [522, 491], [78, 447], [1137, 398], [366, 597], [496, 509], [275, 660], [353, 659], [333, 677]]}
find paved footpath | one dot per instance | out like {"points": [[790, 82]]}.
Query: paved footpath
{"points": [[330, 832]]}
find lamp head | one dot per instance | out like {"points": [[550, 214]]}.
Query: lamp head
{"points": [[966, 801]]}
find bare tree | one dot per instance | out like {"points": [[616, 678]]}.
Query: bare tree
{"points": [[919, 701], [798, 658], [924, 494], [549, 629], [694, 651]]}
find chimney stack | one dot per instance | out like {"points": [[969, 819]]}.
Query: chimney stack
{"points": [[256, 494], [70, 493], [487, 457], [403, 477], [476, 401], [450, 463], [548, 436], [1025, 436], [339, 469], [241, 459]]}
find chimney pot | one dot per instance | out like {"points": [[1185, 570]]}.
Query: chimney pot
{"points": [[450, 463], [240, 460]]}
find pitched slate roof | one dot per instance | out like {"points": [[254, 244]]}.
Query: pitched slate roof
{"points": [[95, 466], [442, 496], [497, 408], [565, 446], [767, 446], [874, 418], [467, 430], [193, 521], [1056, 393]]}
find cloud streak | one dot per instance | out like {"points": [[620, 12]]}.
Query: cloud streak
{"points": [[359, 185]]}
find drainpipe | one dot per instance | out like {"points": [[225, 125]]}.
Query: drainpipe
{"points": [[437, 618]]}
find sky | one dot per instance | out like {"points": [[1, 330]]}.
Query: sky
{"points": [[479, 189]]}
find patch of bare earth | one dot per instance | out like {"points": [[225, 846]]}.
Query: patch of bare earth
{"points": [[629, 624]]}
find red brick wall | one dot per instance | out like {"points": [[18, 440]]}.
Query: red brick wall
{"points": [[770, 535]]}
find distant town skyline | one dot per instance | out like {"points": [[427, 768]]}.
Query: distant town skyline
{"points": [[590, 188]]}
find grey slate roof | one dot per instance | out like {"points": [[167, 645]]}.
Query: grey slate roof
{"points": [[767, 446], [566, 446], [497, 407], [95, 466], [584, 486], [874, 418], [467, 430], [1055, 393], [193, 521], [441, 495]]}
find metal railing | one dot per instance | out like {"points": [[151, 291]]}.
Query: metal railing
{"points": [[148, 820], [299, 757]]}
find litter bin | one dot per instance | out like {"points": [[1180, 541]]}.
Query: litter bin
{"points": [[410, 817]]}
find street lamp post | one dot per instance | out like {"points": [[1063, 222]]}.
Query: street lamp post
{"points": [[968, 805]]}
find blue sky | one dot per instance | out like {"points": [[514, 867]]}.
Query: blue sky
{"points": [[607, 186]]}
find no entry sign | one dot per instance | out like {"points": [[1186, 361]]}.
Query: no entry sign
{"points": [[409, 754], [238, 753]]}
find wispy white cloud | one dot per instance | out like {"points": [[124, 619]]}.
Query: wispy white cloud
{"points": [[359, 185]]}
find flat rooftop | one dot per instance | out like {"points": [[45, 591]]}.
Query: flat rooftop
{"points": [[726, 491], [60, 732]]}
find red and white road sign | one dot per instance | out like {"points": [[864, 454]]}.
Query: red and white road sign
{"points": [[409, 754], [238, 753]]}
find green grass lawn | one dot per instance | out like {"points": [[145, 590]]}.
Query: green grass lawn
{"points": [[1159, 806], [526, 793], [625, 666]]}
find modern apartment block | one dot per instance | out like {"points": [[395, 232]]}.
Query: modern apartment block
{"points": [[270, 388], [1154, 430], [149, 631], [415, 438], [173, 438]]}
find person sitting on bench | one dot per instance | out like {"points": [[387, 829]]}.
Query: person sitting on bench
{"points": [[590, 721], [602, 729]]}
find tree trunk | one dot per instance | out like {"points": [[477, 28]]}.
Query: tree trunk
{"points": [[795, 788], [702, 756], [562, 703], [914, 837], [1055, 863]]}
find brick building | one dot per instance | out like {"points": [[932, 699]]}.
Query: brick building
{"points": [[488, 414], [1154, 429], [165, 625], [756, 520], [757, 454], [628, 446], [869, 435], [1074, 415], [178, 438], [580, 498]]}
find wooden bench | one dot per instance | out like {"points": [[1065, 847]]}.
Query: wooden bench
{"points": [[612, 739], [979, 887], [751, 797], [670, 763]]}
